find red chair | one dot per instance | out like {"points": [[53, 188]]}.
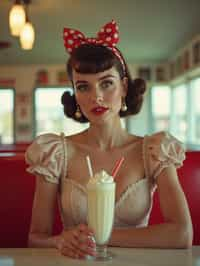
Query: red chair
{"points": [[189, 176], [16, 199]]}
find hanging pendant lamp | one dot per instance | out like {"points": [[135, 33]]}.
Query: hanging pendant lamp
{"points": [[17, 18], [27, 34]]}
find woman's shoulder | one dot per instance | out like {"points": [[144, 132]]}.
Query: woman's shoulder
{"points": [[133, 138], [76, 144], [46, 145], [156, 144], [164, 148], [45, 156], [77, 139], [48, 137], [132, 146], [135, 142], [163, 138], [46, 141], [157, 137]]}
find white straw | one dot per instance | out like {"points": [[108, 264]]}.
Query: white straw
{"points": [[89, 165]]}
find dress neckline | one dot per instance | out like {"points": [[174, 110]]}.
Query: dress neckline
{"points": [[144, 143], [123, 195], [126, 191]]}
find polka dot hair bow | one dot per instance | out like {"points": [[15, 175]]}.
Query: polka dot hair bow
{"points": [[108, 36]]}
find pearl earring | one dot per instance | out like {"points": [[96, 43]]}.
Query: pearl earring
{"points": [[78, 113], [124, 106]]}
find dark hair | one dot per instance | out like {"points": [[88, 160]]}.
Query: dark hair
{"points": [[90, 58]]}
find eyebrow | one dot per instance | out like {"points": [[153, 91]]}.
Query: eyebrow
{"points": [[103, 77]]}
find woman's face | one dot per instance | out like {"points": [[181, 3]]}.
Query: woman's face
{"points": [[99, 95]]}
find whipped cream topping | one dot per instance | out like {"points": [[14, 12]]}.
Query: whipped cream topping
{"points": [[101, 177]]}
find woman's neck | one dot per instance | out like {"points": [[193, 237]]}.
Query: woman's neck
{"points": [[106, 135]]}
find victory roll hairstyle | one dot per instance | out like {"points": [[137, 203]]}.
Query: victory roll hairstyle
{"points": [[94, 55]]}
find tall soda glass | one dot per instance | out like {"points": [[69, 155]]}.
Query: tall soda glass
{"points": [[101, 203]]}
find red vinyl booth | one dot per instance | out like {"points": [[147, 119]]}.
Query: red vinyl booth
{"points": [[17, 190], [189, 177], [16, 199], [18, 147]]}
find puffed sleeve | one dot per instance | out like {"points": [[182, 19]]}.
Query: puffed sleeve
{"points": [[161, 151], [45, 157]]}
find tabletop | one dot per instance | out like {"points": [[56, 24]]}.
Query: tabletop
{"points": [[122, 256]]}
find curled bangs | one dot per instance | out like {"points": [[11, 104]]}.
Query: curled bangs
{"points": [[92, 66], [92, 59]]}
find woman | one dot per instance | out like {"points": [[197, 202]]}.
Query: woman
{"points": [[104, 92]]}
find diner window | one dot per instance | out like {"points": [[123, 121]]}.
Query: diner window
{"points": [[49, 114], [179, 112], [195, 111], [160, 108], [7, 99]]}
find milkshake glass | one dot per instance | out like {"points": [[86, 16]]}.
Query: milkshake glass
{"points": [[101, 203]]}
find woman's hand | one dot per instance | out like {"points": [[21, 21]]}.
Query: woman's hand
{"points": [[77, 242]]}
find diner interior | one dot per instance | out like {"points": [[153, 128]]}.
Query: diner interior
{"points": [[160, 41]]}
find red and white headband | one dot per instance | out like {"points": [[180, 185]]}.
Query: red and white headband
{"points": [[108, 36]]}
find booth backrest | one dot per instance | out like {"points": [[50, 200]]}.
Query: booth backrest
{"points": [[18, 147], [17, 190], [16, 199], [189, 177]]}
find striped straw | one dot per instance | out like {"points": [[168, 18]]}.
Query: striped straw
{"points": [[117, 167], [89, 165]]}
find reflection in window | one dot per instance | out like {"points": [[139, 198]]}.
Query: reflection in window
{"points": [[49, 115], [160, 96], [7, 116]]}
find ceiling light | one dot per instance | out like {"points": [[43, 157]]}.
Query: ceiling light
{"points": [[17, 18], [27, 36]]}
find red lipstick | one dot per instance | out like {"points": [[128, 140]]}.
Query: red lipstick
{"points": [[99, 110]]}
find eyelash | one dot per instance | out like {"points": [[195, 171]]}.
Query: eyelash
{"points": [[107, 83], [85, 87], [82, 87]]}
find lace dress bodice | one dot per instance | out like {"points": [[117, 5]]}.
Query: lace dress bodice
{"points": [[48, 156]]}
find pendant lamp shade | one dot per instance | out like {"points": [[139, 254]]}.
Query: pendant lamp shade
{"points": [[27, 36], [17, 18]]}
